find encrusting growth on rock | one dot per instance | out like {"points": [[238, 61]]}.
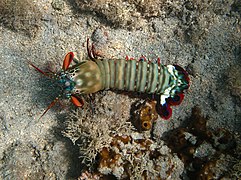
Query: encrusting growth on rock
{"points": [[144, 115]]}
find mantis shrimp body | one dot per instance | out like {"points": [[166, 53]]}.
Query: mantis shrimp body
{"points": [[90, 76]]}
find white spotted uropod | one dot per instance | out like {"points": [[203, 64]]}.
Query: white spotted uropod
{"points": [[90, 76]]}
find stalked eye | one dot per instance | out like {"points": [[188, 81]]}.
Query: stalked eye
{"points": [[67, 83]]}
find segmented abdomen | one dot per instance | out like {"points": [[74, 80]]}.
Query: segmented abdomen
{"points": [[132, 75]]}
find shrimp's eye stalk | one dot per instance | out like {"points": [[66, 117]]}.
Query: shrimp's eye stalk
{"points": [[76, 101], [67, 60]]}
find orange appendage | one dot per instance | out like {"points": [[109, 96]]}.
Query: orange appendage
{"points": [[67, 60]]}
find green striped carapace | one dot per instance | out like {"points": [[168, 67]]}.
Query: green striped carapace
{"points": [[89, 76]]}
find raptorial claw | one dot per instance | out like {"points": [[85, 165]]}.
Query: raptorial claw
{"points": [[67, 60], [76, 101]]}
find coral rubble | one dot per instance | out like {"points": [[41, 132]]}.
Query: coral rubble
{"points": [[139, 157], [113, 148], [206, 153]]}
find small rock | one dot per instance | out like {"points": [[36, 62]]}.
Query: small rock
{"points": [[204, 150], [58, 4]]}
